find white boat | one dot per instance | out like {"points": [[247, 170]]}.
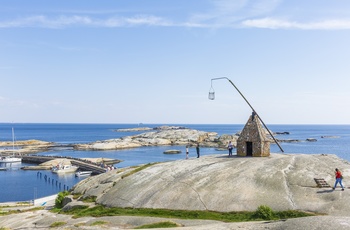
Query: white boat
{"points": [[64, 169], [83, 173], [11, 158]]}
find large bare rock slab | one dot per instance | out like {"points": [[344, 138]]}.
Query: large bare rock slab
{"points": [[220, 183]]}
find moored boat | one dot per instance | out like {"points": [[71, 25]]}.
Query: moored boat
{"points": [[64, 169], [83, 173], [11, 158]]}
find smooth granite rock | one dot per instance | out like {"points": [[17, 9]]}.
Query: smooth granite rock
{"points": [[221, 183]]}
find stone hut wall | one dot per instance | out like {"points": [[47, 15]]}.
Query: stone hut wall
{"points": [[254, 133]]}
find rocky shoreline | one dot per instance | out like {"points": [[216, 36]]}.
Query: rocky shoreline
{"points": [[172, 135], [157, 136]]}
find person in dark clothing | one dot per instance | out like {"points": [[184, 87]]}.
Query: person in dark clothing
{"points": [[230, 147], [197, 149]]}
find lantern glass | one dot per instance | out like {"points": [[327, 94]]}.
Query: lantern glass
{"points": [[211, 95]]}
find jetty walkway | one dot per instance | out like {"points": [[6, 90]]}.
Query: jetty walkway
{"points": [[84, 165]]}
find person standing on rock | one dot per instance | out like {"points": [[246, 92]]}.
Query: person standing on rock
{"points": [[187, 152], [229, 147], [197, 149], [338, 179]]}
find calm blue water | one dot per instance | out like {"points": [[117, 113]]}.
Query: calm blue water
{"points": [[20, 185]]}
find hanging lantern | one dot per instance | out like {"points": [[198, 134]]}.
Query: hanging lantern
{"points": [[211, 95]]}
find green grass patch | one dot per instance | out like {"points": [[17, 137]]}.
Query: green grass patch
{"points": [[57, 224], [79, 225], [76, 195], [99, 211], [9, 212], [99, 222], [89, 199], [138, 169], [165, 224]]}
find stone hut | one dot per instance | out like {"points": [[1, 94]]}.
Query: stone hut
{"points": [[253, 141]]}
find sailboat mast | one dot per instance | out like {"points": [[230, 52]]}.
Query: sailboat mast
{"points": [[13, 140]]}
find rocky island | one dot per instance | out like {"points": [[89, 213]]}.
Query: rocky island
{"points": [[160, 137], [24, 147]]}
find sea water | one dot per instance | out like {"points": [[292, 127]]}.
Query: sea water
{"points": [[24, 185]]}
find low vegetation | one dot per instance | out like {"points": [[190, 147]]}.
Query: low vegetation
{"points": [[165, 224], [89, 199], [262, 213], [59, 199], [99, 222], [4, 212], [57, 224], [138, 169]]}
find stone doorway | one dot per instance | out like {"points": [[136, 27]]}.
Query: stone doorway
{"points": [[249, 149]]}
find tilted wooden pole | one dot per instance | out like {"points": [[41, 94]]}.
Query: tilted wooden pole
{"points": [[252, 109]]}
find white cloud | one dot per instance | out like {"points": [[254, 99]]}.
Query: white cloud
{"points": [[75, 20], [270, 23], [138, 20], [266, 14]]}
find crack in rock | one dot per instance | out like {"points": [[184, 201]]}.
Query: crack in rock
{"points": [[199, 197], [287, 184]]}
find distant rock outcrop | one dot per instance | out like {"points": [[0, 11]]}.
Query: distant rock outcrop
{"points": [[165, 127], [25, 146], [330, 137], [171, 135], [311, 139], [134, 129], [282, 133], [220, 183], [172, 151], [165, 136]]}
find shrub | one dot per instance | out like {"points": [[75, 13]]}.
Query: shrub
{"points": [[59, 199], [264, 212]]}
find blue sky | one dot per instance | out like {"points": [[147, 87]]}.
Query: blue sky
{"points": [[152, 61]]}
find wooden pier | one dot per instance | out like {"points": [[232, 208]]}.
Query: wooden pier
{"points": [[84, 165]]}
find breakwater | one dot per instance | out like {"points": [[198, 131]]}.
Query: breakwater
{"points": [[84, 165]]}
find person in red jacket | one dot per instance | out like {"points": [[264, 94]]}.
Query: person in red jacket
{"points": [[338, 179]]}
